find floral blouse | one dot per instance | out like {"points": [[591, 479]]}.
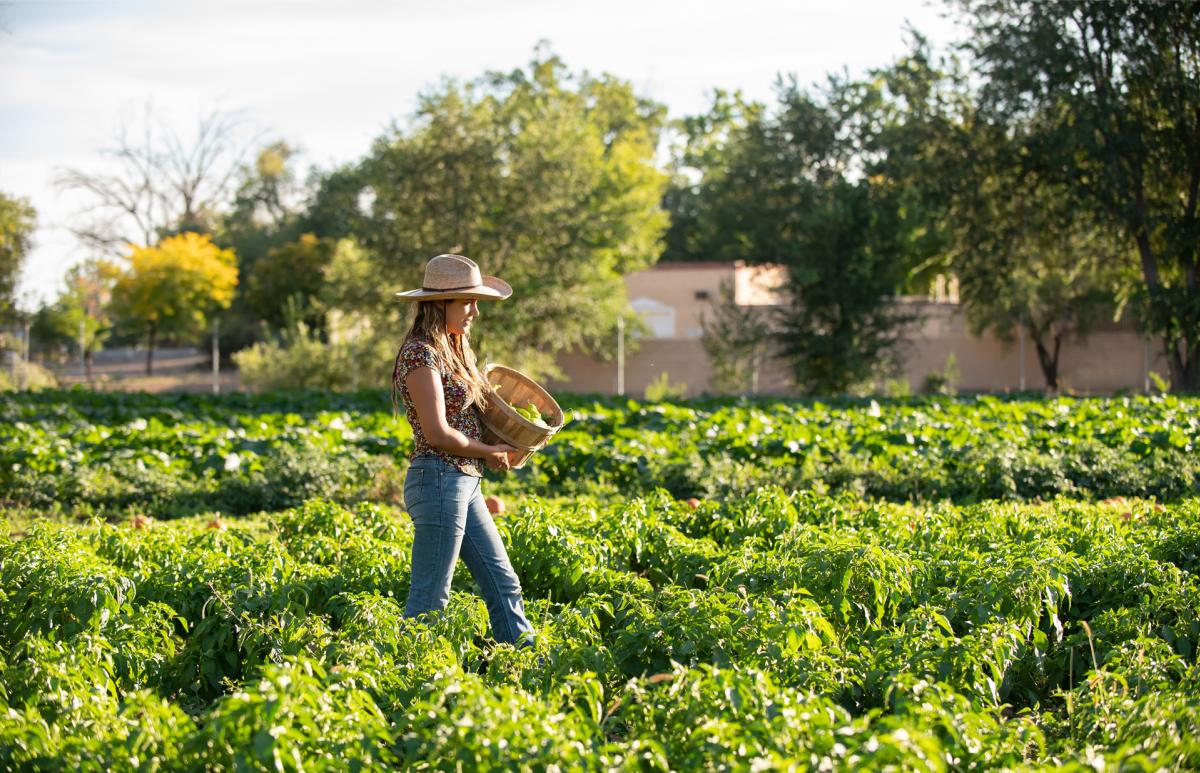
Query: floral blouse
{"points": [[419, 353]]}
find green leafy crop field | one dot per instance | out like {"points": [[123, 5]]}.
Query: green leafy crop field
{"points": [[208, 583]]}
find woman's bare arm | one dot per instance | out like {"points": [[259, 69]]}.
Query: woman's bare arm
{"points": [[425, 389]]}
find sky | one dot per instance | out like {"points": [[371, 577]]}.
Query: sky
{"points": [[329, 77]]}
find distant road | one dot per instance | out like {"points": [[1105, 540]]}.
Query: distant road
{"points": [[180, 369]]}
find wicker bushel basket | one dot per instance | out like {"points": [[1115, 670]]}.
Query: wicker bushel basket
{"points": [[501, 424]]}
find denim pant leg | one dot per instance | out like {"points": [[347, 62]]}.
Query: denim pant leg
{"points": [[485, 556], [438, 508]]}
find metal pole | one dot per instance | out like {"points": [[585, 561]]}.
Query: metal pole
{"points": [[754, 370], [25, 359], [82, 353], [1146, 365], [1021, 337], [620, 355], [216, 356]]}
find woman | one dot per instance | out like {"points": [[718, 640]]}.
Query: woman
{"points": [[442, 390]]}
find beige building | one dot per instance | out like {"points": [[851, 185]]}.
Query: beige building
{"points": [[671, 297]]}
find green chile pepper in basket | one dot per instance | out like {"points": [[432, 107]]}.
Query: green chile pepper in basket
{"points": [[530, 412]]}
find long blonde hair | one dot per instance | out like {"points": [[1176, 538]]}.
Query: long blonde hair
{"points": [[453, 350]]}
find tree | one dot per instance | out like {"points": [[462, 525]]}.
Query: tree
{"points": [[267, 214], [909, 125], [703, 211], [17, 222], [797, 186], [841, 326], [901, 128], [161, 183], [347, 279], [294, 271], [1115, 90], [81, 314], [267, 207], [547, 179], [175, 287], [735, 339], [1028, 261], [847, 187], [46, 335], [269, 193]]}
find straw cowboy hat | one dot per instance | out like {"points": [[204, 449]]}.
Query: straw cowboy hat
{"points": [[456, 276]]}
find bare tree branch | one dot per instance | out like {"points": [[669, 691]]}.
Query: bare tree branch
{"points": [[159, 181]]}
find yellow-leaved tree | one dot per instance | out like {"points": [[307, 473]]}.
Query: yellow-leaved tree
{"points": [[174, 287]]}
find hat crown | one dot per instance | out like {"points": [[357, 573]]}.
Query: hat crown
{"points": [[451, 272]]}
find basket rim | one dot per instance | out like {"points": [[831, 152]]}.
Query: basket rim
{"points": [[506, 409]]}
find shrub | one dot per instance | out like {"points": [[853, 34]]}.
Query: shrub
{"points": [[661, 389], [299, 359], [30, 376]]}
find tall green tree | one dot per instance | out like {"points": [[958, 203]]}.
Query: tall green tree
{"points": [[909, 125], [841, 325], [292, 272], [1029, 262], [836, 186], [547, 179], [17, 222], [1115, 90], [704, 198], [783, 193]]}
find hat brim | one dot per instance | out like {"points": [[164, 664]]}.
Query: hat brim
{"points": [[492, 289]]}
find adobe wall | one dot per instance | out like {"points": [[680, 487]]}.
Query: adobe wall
{"points": [[1112, 358]]}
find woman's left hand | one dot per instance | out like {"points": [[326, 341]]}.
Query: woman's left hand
{"points": [[498, 459]]}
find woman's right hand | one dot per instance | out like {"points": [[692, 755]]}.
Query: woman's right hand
{"points": [[497, 456]]}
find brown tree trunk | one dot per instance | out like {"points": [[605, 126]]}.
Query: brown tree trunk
{"points": [[1048, 359], [152, 334], [87, 364], [1191, 379], [1184, 362]]}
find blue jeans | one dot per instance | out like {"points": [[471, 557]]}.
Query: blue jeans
{"points": [[450, 520]]}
